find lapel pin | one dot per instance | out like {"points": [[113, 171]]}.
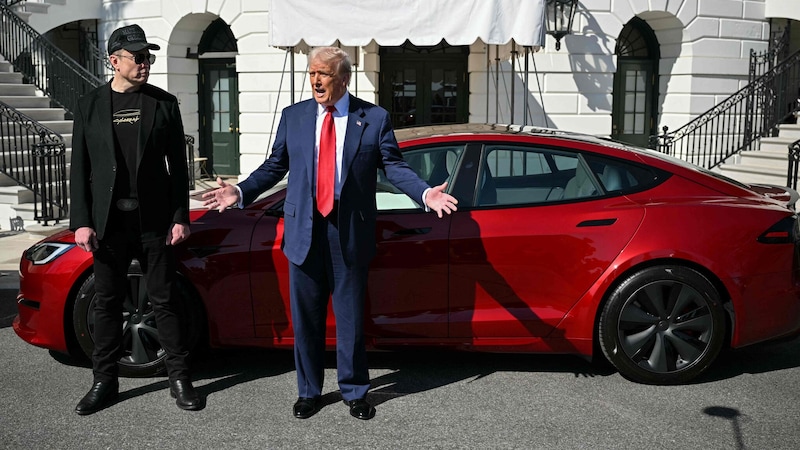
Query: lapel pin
{"points": [[358, 122]]}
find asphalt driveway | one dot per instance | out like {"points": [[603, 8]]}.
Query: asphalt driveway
{"points": [[424, 399]]}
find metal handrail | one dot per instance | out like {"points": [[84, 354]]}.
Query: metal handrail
{"points": [[35, 157], [30, 153], [794, 164], [763, 62], [43, 64], [10, 2], [739, 121]]}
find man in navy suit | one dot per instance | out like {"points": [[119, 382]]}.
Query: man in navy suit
{"points": [[329, 243]]}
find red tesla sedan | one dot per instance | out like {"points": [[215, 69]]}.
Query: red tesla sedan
{"points": [[562, 243]]}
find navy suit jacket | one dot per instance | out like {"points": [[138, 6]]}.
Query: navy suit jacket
{"points": [[369, 145]]}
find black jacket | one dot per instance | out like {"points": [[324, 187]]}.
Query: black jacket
{"points": [[162, 175]]}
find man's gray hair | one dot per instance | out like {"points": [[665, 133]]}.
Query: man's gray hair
{"points": [[334, 56]]}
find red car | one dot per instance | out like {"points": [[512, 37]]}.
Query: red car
{"points": [[562, 243]]}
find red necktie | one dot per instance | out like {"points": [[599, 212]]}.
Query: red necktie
{"points": [[326, 166]]}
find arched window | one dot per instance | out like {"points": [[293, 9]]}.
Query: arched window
{"points": [[635, 110], [217, 38]]}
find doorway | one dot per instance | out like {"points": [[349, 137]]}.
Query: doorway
{"points": [[219, 100], [424, 85], [635, 112]]}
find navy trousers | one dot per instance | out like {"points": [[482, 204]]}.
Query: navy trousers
{"points": [[324, 274]]}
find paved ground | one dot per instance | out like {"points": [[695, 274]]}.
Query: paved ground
{"points": [[424, 400], [750, 399]]}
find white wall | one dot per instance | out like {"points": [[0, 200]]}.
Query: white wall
{"points": [[704, 47]]}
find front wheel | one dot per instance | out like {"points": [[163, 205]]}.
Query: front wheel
{"points": [[662, 325], [142, 354]]}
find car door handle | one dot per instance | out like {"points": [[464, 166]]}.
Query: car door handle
{"points": [[412, 231], [598, 222]]}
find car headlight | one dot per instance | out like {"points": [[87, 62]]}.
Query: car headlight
{"points": [[45, 252]]}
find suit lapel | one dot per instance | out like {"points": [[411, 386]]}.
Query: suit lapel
{"points": [[105, 116], [148, 115], [308, 139], [352, 138]]}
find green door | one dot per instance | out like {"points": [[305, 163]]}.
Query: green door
{"points": [[633, 119], [220, 118]]}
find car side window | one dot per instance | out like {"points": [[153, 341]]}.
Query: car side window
{"points": [[524, 175], [435, 165], [527, 175]]}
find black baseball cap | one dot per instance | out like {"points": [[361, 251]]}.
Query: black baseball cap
{"points": [[131, 38]]}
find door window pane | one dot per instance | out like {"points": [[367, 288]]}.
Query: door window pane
{"points": [[404, 97], [434, 165], [522, 175]]}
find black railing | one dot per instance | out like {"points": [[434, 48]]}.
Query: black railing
{"points": [[35, 157], [190, 159], [794, 164], [763, 62], [94, 59], [32, 154], [43, 64], [738, 122], [10, 2]]}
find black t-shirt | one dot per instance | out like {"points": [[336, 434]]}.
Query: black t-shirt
{"points": [[126, 116]]}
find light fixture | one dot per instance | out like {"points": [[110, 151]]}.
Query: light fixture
{"points": [[560, 14]]}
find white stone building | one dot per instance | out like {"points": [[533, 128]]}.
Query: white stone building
{"points": [[679, 57]]}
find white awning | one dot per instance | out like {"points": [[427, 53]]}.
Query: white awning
{"points": [[391, 23]]}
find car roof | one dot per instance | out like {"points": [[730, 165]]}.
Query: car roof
{"points": [[479, 131], [486, 130]]}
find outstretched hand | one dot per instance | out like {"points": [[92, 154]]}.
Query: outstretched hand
{"points": [[440, 201], [221, 198]]}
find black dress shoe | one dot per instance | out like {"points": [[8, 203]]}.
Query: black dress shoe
{"points": [[360, 409], [305, 407], [102, 394], [185, 396]]}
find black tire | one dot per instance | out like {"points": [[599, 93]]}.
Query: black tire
{"points": [[143, 355], [662, 325]]}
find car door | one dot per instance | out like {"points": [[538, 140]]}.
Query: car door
{"points": [[408, 288], [543, 228]]}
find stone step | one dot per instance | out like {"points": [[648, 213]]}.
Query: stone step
{"points": [[15, 195], [11, 90], [26, 101], [789, 131], [62, 127], [43, 114], [776, 145], [11, 155], [13, 78], [27, 211], [753, 174]]}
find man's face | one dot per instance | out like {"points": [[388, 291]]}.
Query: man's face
{"points": [[328, 87], [125, 64]]}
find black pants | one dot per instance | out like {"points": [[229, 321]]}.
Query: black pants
{"points": [[122, 242]]}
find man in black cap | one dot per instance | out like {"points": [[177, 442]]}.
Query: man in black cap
{"points": [[130, 199]]}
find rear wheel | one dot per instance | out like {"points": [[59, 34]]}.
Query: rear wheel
{"points": [[662, 325], [142, 355]]}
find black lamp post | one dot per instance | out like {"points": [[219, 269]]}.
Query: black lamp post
{"points": [[560, 14]]}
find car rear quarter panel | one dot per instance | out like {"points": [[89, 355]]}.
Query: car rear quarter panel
{"points": [[717, 235]]}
